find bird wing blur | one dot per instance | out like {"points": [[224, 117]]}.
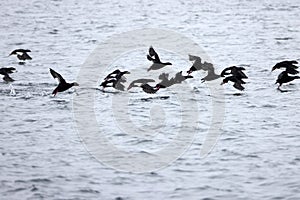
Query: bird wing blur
{"points": [[58, 76]]}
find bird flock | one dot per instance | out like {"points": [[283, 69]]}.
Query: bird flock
{"points": [[230, 74], [116, 78]]}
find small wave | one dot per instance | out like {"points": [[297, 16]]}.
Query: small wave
{"points": [[17, 190], [153, 98], [119, 198], [184, 170], [108, 91], [22, 132], [143, 141], [30, 120], [284, 38], [237, 94], [40, 180], [145, 152], [20, 181], [61, 100], [120, 134], [53, 32], [89, 191], [269, 106]]}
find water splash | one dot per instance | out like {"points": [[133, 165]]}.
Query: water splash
{"points": [[12, 90]]}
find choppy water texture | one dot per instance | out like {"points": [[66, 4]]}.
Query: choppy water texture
{"points": [[257, 155]]}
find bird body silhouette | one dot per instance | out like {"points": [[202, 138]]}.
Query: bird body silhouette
{"points": [[22, 54], [237, 82], [149, 89], [157, 64], [63, 85], [235, 71], [283, 77], [5, 71], [115, 80], [236, 77]]}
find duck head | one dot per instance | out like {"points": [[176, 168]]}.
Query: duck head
{"points": [[225, 80]]}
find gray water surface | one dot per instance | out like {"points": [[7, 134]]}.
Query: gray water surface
{"points": [[257, 155]]}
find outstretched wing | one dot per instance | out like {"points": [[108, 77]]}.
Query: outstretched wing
{"points": [[240, 74], [225, 71], [291, 62], [141, 81], [57, 75], [240, 68], [10, 70], [150, 58], [291, 70], [19, 51], [7, 78], [22, 50], [206, 66], [192, 58], [163, 76], [7, 70], [286, 63], [238, 86], [26, 56], [119, 86], [153, 53]]}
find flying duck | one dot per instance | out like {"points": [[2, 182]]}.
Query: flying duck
{"points": [[157, 64], [115, 83], [235, 71], [63, 85], [211, 75], [112, 74], [22, 54], [116, 79], [198, 65], [289, 66], [180, 78], [115, 74], [149, 89], [283, 77], [5, 71], [237, 82]]}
